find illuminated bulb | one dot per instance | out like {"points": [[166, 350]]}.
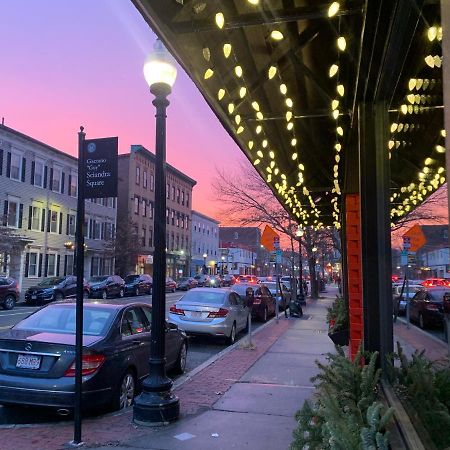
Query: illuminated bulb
{"points": [[340, 89], [257, 161], [221, 94], [289, 102], [250, 144], [333, 70], [220, 20], [294, 156], [411, 98], [260, 153], [301, 167], [237, 119], [338, 147], [238, 71], [333, 9], [391, 144], [253, 2], [230, 108], [294, 142], [272, 71], [404, 109], [412, 84], [276, 35], [394, 126], [432, 33], [335, 114], [208, 74], [226, 50], [426, 170], [258, 129], [340, 131], [259, 115], [442, 180], [242, 92], [428, 161], [440, 170], [255, 106], [283, 89], [272, 164], [337, 158], [440, 149], [443, 133], [264, 143], [342, 43], [288, 116], [290, 125], [334, 104], [240, 130], [272, 154]]}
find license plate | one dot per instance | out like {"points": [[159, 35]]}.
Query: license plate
{"points": [[196, 314], [33, 297], [28, 362]]}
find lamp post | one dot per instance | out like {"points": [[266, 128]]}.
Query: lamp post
{"points": [[223, 262], [205, 269], [301, 297], [157, 405]]}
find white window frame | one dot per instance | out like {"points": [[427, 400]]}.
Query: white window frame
{"points": [[49, 274], [138, 175], [16, 201], [38, 218], [56, 211], [136, 205], [39, 163], [74, 215], [73, 184], [36, 265], [144, 179], [152, 181], [144, 208], [19, 172], [56, 169], [70, 264]]}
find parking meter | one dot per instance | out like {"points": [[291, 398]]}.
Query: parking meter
{"points": [[249, 300]]}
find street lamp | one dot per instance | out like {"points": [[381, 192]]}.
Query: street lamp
{"points": [[157, 405], [205, 269], [301, 297], [223, 262]]}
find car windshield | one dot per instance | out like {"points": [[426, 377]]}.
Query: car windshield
{"points": [[240, 288], [61, 319], [97, 279], [205, 298], [51, 281], [131, 278]]}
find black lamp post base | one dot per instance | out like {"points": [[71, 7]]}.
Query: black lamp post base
{"points": [[301, 299], [155, 409]]}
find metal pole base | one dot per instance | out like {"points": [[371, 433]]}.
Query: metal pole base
{"points": [[155, 409], [301, 299]]}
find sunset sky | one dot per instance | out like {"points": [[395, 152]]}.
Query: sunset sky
{"points": [[66, 64]]}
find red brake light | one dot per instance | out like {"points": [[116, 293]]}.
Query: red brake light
{"points": [[174, 310], [221, 313], [90, 364]]}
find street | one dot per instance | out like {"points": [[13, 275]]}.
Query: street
{"points": [[200, 350]]}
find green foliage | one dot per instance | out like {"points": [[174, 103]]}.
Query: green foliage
{"points": [[337, 315], [428, 390], [345, 414]]}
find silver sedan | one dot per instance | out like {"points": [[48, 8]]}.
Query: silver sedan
{"points": [[219, 312]]}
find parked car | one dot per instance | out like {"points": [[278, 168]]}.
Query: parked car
{"points": [[54, 288], [284, 295], [186, 283], [427, 306], [246, 279], [138, 284], [9, 292], [228, 280], [37, 361], [202, 280], [216, 282], [263, 300], [171, 286], [435, 282], [399, 299], [105, 286], [215, 312]]}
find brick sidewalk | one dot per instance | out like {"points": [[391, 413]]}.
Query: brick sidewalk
{"points": [[196, 395]]}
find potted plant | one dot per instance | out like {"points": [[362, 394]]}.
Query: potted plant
{"points": [[338, 323]]}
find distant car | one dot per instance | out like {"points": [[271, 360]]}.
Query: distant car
{"points": [[138, 284], [399, 299], [263, 300], [171, 286], [186, 283], [246, 279], [105, 286], [38, 359], [228, 280], [284, 295], [215, 312], [9, 292], [202, 280], [427, 306], [54, 288], [435, 282], [216, 282]]}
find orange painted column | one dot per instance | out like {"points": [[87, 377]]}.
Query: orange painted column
{"points": [[354, 271]]}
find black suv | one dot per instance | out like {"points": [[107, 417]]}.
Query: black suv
{"points": [[138, 284], [106, 286], [54, 288]]}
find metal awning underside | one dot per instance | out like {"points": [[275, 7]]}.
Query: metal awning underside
{"points": [[291, 104]]}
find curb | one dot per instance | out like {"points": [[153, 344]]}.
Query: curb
{"points": [[434, 338]]}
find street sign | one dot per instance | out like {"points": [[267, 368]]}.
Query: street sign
{"points": [[416, 238], [267, 238], [404, 258], [411, 257], [273, 257], [279, 254], [406, 243]]}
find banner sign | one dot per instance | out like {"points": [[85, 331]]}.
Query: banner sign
{"points": [[100, 167]]}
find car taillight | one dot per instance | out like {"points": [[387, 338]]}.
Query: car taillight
{"points": [[174, 310], [431, 307], [90, 364], [221, 313]]}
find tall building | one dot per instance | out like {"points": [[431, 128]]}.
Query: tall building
{"points": [[136, 206], [38, 192], [205, 244]]}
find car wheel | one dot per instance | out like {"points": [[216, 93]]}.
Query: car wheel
{"points": [[9, 302], [121, 293], [104, 294], [422, 323], [180, 365], [136, 291], [231, 339], [123, 397], [59, 296]]}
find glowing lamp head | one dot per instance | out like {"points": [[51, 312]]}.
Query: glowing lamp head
{"points": [[159, 66]]}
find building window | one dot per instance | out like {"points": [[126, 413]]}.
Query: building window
{"points": [[152, 182], [167, 216], [70, 264], [95, 266], [144, 179], [178, 242], [54, 221], [187, 222], [187, 199], [56, 179], [173, 193], [73, 188], [12, 211], [138, 174], [96, 230], [16, 167], [136, 205], [168, 190], [144, 236], [150, 238], [109, 231], [33, 259], [178, 219], [182, 198], [36, 218], [178, 195], [172, 215], [182, 220], [51, 265], [150, 210], [144, 207], [71, 224], [38, 174]]}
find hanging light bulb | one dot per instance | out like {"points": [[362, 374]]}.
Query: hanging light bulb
{"points": [[432, 33], [250, 144], [264, 143], [238, 71], [289, 126], [341, 43], [333, 9], [220, 20], [289, 103], [240, 130], [272, 71], [260, 154], [258, 129], [255, 106], [294, 156], [220, 94], [333, 70], [340, 89], [230, 108], [283, 89], [276, 35], [208, 74], [226, 50], [288, 115], [242, 92], [259, 115], [294, 142], [335, 114]]}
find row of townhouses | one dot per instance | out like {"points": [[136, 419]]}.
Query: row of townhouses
{"points": [[38, 192]]}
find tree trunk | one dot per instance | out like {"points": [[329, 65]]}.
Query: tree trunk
{"points": [[294, 278], [313, 278]]}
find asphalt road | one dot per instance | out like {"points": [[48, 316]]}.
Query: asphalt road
{"points": [[200, 350]]}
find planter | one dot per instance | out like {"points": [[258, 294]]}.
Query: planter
{"points": [[340, 337]]}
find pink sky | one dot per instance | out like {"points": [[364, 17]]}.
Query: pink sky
{"points": [[66, 64]]}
